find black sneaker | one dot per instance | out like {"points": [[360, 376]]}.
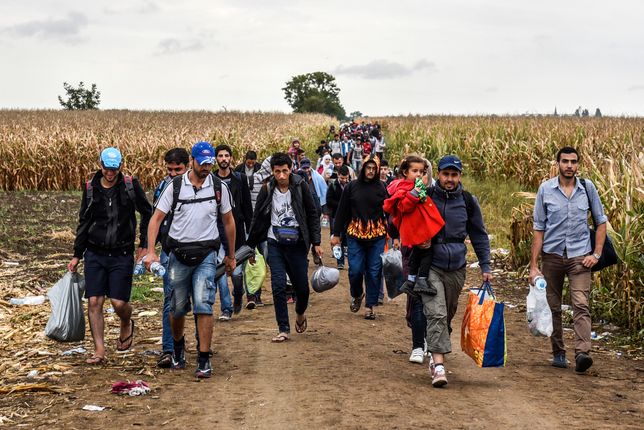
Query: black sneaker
{"points": [[559, 360], [424, 287], [408, 288], [204, 370], [250, 304], [582, 362], [179, 360]]}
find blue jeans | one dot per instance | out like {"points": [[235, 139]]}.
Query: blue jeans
{"points": [[166, 337], [291, 259], [365, 263], [226, 301], [192, 283]]}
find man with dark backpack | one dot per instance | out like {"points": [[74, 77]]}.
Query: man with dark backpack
{"points": [[176, 163], [243, 214], [563, 241], [194, 202], [462, 215], [105, 239]]}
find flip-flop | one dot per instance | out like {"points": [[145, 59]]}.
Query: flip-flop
{"points": [[95, 359], [282, 337], [301, 328], [129, 338]]}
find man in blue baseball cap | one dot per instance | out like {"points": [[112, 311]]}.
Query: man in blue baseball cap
{"points": [[105, 239], [203, 153], [463, 218]]}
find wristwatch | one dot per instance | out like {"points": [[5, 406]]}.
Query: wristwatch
{"points": [[597, 256]]}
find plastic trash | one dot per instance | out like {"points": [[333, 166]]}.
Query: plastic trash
{"points": [[29, 300], [32, 374], [93, 408], [67, 320], [78, 350], [538, 312], [132, 388], [324, 278], [392, 271]]}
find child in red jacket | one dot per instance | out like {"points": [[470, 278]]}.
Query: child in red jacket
{"points": [[417, 219]]}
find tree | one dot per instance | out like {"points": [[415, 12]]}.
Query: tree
{"points": [[314, 92], [598, 113], [356, 114], [80, 98], [584, 113]]}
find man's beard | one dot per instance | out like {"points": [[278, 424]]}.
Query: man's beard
{"points": [[223, 164]]}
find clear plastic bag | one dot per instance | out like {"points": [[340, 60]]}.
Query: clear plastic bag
{"points": [[67, 320], [392, 271], [538, 312]]}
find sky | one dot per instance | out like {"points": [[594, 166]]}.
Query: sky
{"points": [[388, 57]]}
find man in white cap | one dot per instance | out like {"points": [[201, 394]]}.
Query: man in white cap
{"points": [[105, 239]]}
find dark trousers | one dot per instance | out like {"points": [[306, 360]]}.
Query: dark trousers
{"points": [[418, 322], [291, 259], [420, 261]]}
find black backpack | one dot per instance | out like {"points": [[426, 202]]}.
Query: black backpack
{"points": [[164, 229], [89, 191]]}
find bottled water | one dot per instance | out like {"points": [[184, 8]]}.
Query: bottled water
{"points": [[139, 268], [540, 283], [337, 251], [157, 269], [29, 300]]}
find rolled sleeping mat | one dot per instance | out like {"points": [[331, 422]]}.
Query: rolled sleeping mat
{"points": [[241, 256]]}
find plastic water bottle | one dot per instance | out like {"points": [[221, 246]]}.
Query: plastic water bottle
{"points": [[157, 269], [337, 252], [540, 283], [139, 268]]}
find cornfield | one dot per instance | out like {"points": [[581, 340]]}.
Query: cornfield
{"points": [[523, 150], [58, 150]]}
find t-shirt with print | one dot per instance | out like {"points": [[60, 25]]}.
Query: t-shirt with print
{"points": [[195, 222], [282, 214]]}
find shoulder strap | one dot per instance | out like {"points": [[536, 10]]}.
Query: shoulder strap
{"points": [[129, 188], [89, 194], [176, 190], [583, 184], [469, 204], [216, 184]]}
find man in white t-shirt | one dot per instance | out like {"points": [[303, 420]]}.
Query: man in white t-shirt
{"points": [[193, 241], [286, 217]]}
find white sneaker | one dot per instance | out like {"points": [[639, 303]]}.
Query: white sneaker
{"points": [[417, 356], [439, 377]]}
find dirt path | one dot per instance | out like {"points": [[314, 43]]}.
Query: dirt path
{"points": [[344, 372]]}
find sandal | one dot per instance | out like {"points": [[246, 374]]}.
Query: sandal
{"points": [[356, 302], [301, 327], [130, 338], [282, 337], [369, 315], [165, 361], [96, 360]]}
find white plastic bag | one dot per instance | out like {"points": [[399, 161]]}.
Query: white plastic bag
{"points": [[67, 320], [538, 312]]}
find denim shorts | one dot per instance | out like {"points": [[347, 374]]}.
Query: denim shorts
{"points": [[109, 276], [194, 284]]}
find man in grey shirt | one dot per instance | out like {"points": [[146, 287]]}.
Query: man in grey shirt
{"points": [[562, 238]]}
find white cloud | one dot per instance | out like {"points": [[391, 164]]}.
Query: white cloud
{"points": [[176, 46], [384, 69], [67, 29]]}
